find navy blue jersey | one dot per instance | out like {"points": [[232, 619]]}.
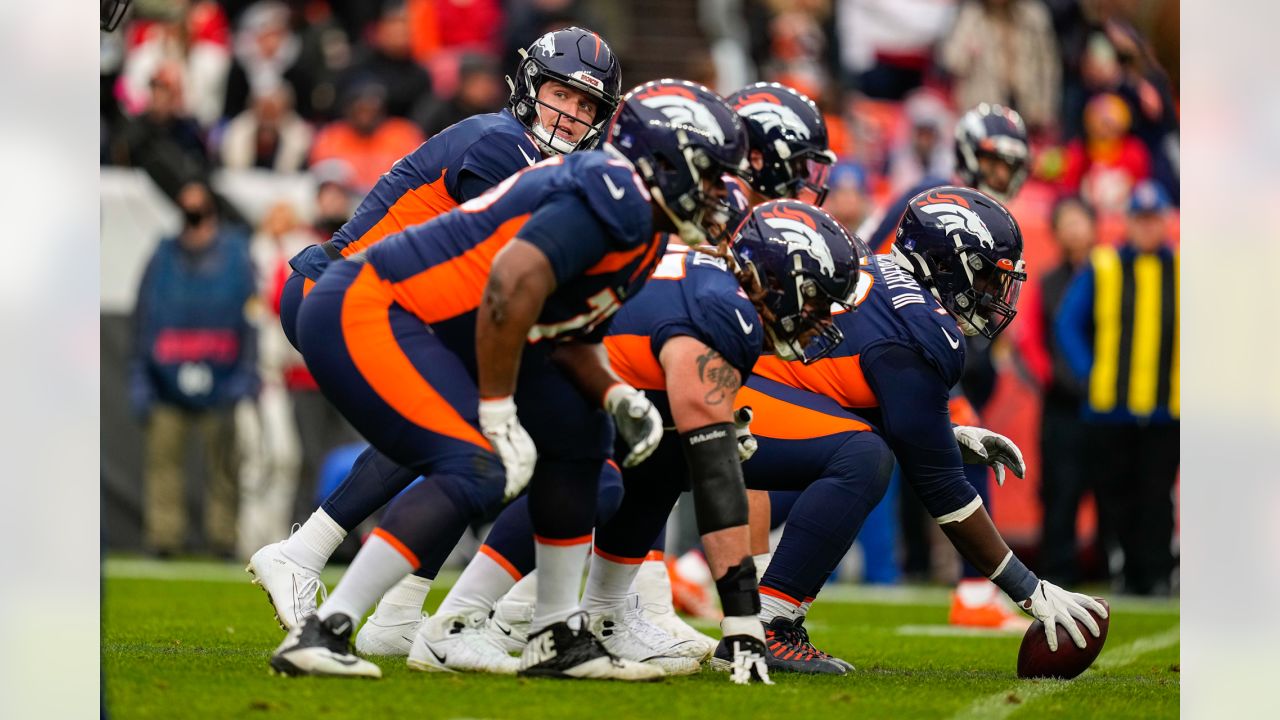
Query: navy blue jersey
{"points": [[901, 354], [587, 212], [693, 294], [454, 166]]}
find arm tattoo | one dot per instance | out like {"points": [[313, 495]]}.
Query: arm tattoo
{"points": [[720, 375], [496, 298]]}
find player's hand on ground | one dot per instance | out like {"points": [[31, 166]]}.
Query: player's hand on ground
{"points": [[637, 420], [979, 446], [1054, 606], [510, 440], [746, 441]]}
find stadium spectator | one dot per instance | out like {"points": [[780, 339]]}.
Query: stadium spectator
{"points": [[529, 20], [389, 62], [1146, 88], [192, 37], [1003, 51], [848, 199], [366, 139], [1106, 164], [1118, 329], [928, 149], [269, 135], [267, 54], [1064, 478], [480, 90], [194, 359], [448, 26], [886, 46], [163, 140]]}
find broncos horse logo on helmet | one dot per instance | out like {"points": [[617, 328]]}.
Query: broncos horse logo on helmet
{"points": [[575, 57], [805, 262], [682, 139], [966, 248], [787, 130]]}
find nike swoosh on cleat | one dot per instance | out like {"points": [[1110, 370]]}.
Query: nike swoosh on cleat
{"points": [[437, 655]]}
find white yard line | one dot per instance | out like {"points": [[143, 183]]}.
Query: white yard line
{"points": [[1006, 702], [957, 631]]}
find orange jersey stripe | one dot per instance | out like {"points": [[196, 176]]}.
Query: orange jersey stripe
{"points": [[495, 556], [415, 207], [632, 358], [615, 261], [782, 420], [454, 287], [839, 378], [307, 284], [582, 540], [779, 594], [399, 547], [383, 364], [618, 558]]}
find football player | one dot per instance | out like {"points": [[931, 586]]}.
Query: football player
{"points": [[566, 88], [431, 345], [954, 270], [992, 155]]}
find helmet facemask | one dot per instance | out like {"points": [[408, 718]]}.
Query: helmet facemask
{"points": [[700, 217], [528, 108], [985, 301], [797, 314]]}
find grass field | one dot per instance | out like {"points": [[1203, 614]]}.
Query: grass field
{"points": [[192, 640]]}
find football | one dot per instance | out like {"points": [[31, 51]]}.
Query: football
{"points": [[1035, 660]]}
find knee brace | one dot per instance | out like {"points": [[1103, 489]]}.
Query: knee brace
{"points": [[719, 493]]}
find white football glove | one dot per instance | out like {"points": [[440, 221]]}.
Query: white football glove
{"points": [[637, 420], [1054, 606], [510, 440], [979, 446], [747, 444]]}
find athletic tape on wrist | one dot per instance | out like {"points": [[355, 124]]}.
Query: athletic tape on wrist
{"points": [[739, 594], [1014, 578], [719, 493]]}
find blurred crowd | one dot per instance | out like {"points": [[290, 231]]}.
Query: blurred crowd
{"points": [[338, 90]]}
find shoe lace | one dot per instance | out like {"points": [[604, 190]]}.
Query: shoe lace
{"points": [[647, 632], [800, 636], [307, 592]]}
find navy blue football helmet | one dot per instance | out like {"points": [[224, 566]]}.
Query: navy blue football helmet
{"points": [[575, 57], [966, 248], [806, 264], [788, 130], [683, 139], [997, 132]]}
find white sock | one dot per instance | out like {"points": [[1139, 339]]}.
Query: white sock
{"points": [[378, 566], [314, 542], [608, 583], [804, 608], [762, 564], [745, 625], [403, 603], [653, 584], [560, 567], [485, 579], [525, 591], [772, 606]]}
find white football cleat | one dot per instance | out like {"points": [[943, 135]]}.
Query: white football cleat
{"points": [[392, 639], [508, 625], [458, 643], [654, 588], [290, 587], [323, 648], [569, 650], [627, 635]]}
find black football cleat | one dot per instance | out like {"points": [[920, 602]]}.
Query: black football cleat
{"points": [[788, 650], [561, 650], [802, 639], [744, 658], [321, 647]]}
